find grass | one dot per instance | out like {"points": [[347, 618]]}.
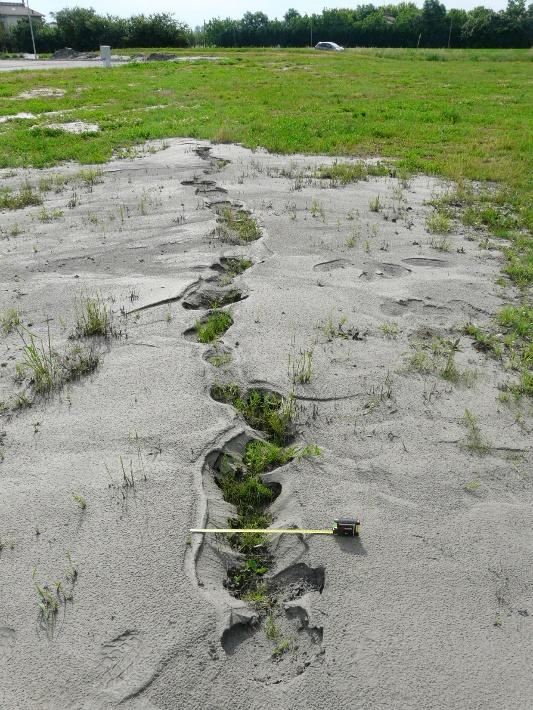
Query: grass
{"points": [[301, 367], [219, 359], [10, 320], [465, 118], [332, 329], [475, 443], [237, 225], [375, 204], [213, 326], [49, 215], [79, 500], [438, 222], [93, 317], [47, 369], [241, 483], [265, 411], [345, 173], [513, 345], [25, 197], [390, 329], [438, 357], [234, 267]]}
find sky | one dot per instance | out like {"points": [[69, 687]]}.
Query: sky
{"points": [[194, 13]]}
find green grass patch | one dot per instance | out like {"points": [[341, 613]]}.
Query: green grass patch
{"points": [[345, 173], [513, 345], [10, 320], [25, 197], [265, 411], [237, 225], [213, 326], [93, 317]]}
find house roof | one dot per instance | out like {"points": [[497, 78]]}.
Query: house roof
{"points": [[14, 9]]}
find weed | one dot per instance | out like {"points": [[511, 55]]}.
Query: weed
{"points": [[265, 411], [390, 330], [219, 359], [438, 222], [41, 362], [262, 456], [333, 330], [514, 345], [301, 367], [93, 317], [48, 369], [213, 326], [46, 216], [89, 177], [80, 500], [317, 210], [271, 629], [21, 401], [238, 223], [282, 647], [48, 602], [16, 201], [472, 486], [234, 267], [484, 342], [440, 243], [344, 173], [375, 204], [258, 596], [351, 241], [474, 440], [10, 320]]}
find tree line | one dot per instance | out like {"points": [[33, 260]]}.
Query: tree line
{"points": [[84, 30], [402, 25]]}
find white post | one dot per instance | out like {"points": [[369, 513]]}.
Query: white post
{"points": [[105, 55]]}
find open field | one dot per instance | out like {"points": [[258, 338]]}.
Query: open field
{"points": [[196, 333]]}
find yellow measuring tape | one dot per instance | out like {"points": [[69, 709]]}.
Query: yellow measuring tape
{"points": [[265, 531]]}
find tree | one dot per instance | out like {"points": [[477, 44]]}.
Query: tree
{"points": [[434, 25]]}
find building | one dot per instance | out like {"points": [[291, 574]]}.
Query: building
{"points": [[12, 12]]}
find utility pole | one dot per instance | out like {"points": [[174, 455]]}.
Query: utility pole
{"points": [[31, 30], [311, 27], [450, 33]]}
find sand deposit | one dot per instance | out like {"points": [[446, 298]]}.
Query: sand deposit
{"points": [[430, 608]]}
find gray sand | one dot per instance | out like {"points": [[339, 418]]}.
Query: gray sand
{"points": [[430, 608]]}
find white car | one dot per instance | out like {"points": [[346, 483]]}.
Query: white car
{"points": [[331, 46]]}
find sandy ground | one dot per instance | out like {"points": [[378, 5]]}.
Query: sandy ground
{"points": [[430, 608]]}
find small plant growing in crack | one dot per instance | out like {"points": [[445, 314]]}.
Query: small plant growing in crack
{"points": [[213, 326]]}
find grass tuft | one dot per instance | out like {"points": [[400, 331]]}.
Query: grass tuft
{"points": [[10, 320], [213, 326], [93, 317], [239, 225]]}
